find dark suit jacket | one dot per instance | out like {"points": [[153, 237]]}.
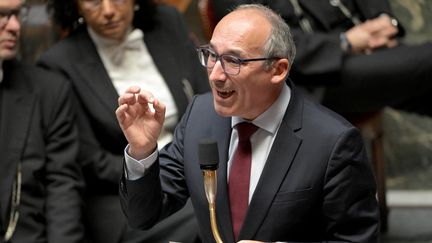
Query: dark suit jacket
{"points": [[317, 183], [37, 130], [102, 141]]}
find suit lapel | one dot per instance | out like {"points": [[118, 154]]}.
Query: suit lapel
{"points": [[94, 74], [17, 111], [282, 154]]}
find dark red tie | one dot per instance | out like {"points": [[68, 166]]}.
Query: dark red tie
{"points": [[238, 184]]}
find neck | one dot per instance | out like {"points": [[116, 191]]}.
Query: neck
{"points": [[273, 95]]}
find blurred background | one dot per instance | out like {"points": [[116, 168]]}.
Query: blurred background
{"points": [[407, 138]]}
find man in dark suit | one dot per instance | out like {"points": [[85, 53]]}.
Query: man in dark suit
{"points": [[40, 180], [309, 178], [88, 59], [350, 54]]}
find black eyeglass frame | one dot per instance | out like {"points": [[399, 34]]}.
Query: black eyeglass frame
{"points": [[239, 61]]}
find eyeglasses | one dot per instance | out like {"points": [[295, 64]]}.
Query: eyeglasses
{"points": [[5, 14], [95, 4], [230, 64]]}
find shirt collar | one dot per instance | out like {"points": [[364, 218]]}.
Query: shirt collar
{"points": [[270, 119], [114, 51]]}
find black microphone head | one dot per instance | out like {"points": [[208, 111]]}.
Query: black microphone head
{"points": [[208, 154]]}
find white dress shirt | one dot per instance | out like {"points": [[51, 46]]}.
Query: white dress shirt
{"points": [[129, 63]]}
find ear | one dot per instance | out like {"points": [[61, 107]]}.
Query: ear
{"points": [[280, 70]]}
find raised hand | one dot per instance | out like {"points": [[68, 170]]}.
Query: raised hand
{"points": [[141, 117]]}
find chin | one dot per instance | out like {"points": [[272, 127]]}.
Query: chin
{"points": [[7, 55], [223, 111]]}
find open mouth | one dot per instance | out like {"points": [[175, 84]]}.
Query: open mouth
{"points": [[225, 94]]}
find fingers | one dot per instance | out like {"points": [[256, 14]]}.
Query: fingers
{"points": [[141, 100], [382, 26], [133, 89], [129, 96], [381, 33], [392, 43], [121, 114], [159, 109], [133, 95], [378, 42]]}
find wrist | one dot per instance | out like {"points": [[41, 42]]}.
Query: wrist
{"points": [[344, 43], [140, 153]]}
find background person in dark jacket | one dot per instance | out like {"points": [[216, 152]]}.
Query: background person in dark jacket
{"points": [[40, 179]]}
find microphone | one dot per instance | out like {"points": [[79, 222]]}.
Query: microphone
{"points": [[209, 162]]}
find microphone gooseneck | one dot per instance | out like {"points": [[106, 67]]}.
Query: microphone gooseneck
{"points": [[209, 162]]}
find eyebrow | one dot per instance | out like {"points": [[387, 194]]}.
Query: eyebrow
{"points": [[8, 10], [230, 52]]}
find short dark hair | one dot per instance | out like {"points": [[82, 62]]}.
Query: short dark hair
{"points": [[65, 14]]}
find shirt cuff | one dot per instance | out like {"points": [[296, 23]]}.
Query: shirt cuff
{"points": [[135, 169]]}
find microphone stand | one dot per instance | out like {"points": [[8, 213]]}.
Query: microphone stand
{"points": [[210, 186], [209, 159]]}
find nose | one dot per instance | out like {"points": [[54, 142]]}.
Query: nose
{"points": [[217, 73], [13, 24], [107, 8]]}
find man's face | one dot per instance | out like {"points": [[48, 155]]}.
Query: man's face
{"points": [[109, 18], [243, 34], [9, 28]]}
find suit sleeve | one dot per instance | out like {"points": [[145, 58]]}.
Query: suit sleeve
{"points": [[162, 190], [64, 180], [350, 206]]}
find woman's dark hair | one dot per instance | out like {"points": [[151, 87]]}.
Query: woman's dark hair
{"points": [[65, 14]]}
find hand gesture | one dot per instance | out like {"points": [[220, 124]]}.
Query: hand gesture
{"points": [[141, 117]]}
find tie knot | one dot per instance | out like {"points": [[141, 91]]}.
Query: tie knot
{"points": [[245, 131]]}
